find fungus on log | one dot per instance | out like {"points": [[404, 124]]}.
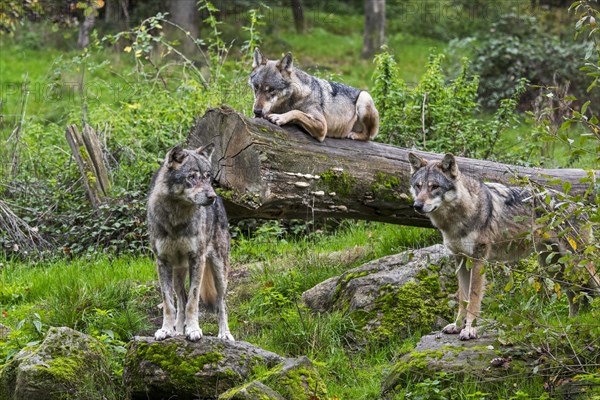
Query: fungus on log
{"points": [[267, 171]]}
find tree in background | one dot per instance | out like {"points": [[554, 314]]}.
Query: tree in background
{"points": [[374, 35], [298, 12], [184, 13]]}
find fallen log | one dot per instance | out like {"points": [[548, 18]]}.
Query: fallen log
{"points": [[272, 172]]}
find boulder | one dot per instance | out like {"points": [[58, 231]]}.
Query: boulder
{"points": [[482, 360], [293, 379], [66, 365], [297, 379], [254, 390], [392, 295], [176, 368]]}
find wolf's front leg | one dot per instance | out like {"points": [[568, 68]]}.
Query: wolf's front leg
{"points": [[476, 289], [165, 278], [179, 276], [192, 328], [220, 266], [463, 277], [313, 123]]}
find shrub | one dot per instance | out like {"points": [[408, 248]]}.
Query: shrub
{"points": [[516, 47], [437, 115]]}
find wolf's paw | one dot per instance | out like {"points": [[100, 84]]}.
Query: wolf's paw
{"points": [[451, 329], [162, 334], [468, 333], [277, 119], [226, 336], [194, 335], [358, 136]]}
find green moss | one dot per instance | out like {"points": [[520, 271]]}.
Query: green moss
{"points": [[225, 194], [417, 363], [181, 370], [412, 307], [388, 187], [294, 385], [66, 369], [339, 182]]}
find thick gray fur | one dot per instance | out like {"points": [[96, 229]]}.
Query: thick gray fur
{"points": [[189, 236], [285, 94], [486, 222]]}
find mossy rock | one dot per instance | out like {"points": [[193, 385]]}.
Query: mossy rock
{"points": [[254, 390], [293, 379], [296, 379], [392, 295], [190, 370], [66, 365], [483, 360]]}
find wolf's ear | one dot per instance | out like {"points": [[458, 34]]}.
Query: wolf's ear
{"points": [[206, 151], [416, 162], [259, 59], [449, 166], [175, 156], [286, 63]]}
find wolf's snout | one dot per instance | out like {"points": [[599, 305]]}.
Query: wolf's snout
{"points": [[418, 206], [258, 112]]}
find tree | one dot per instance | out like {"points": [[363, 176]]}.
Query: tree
{"points": [[298, 11], [184, 13], [374, 35]]}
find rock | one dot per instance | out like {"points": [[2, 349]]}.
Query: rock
{"points": [[297, 379], [190, 370], [411, 290], [254, 390], [66, 365], [293, 379], [480, 360]]}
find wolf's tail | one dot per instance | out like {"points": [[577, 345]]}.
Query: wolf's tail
{"points": [[208, 290]]}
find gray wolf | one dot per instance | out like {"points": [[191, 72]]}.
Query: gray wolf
{"points": [[482, 222], [284, 94], [189, 235]]}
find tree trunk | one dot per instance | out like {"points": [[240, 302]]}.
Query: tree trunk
{"points": [[374, 35], [83, 40], [184, 13], [298, 12], [266, 171]]}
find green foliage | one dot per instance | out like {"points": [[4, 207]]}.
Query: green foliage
{"points": [[436, 115], [516, 46]]}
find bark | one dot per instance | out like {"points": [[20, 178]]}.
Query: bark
{"points": [[89, 20], [87, 152], [266, 171], [298, 12], [374, 35], [184, 13]]}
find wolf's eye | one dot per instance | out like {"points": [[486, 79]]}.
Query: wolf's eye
{"points": [[193, 178], [418, 185], [434, 186]]}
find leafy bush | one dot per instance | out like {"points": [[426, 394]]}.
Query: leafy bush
{"points": [[436, 115], [517, 47]]}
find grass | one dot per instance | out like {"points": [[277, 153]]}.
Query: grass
{"points": [[115, 298]]}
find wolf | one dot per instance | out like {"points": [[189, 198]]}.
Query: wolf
{"points": [[189, 235], [483, 222], [284, 94]]}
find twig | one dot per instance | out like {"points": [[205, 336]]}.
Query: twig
{"points": [[423, 120], [17, 131]]}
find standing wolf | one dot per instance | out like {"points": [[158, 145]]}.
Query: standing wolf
{"points": [[189, 236], [284, 94], [481, 222]]}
